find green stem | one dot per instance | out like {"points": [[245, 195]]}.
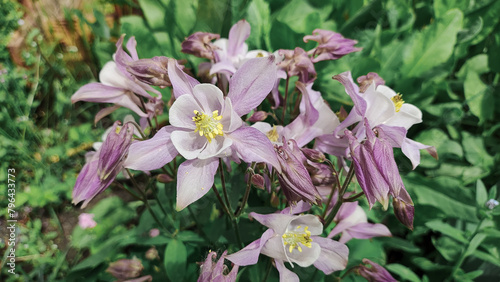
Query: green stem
{"points": [[337, 186], [247, 193], [221, 201], [223, 182], [237, 232], [463, 255], [340, 199]]}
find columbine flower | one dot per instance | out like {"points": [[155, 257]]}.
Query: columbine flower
{"points": [[217, 272], [117, 84], [352, 223], [294, 239], [382, 107], [297, 63], [86, 220], [103, 167], [375, 168], [150, 71], [375, 272], [332, 45], [366, 80], [206, 126]]}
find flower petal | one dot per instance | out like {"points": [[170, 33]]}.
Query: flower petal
{"points": [[276, 221], [153, 153], [181, 82], [194, 179], [253, 146], [250, 254], [209, 97], [285, 273], [333, 255], [236, 40], [251, 84], [182, 112], [188, 143], [215, 147], [369, 230]]}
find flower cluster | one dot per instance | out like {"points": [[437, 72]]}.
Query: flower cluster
{"points": [[225, 118]]}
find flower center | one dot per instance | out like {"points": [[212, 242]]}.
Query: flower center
{"points": [[273, 134], [207, 125], [293, 238], [398, 101]]}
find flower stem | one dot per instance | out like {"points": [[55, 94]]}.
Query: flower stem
{"points": [[247, 192], [221, 201], [223, 182], [340, 199], [337, 186]]}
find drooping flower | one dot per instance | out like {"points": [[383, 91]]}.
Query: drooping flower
{"points": [[375, 167], [352, 223], [374, 273], [217, 272], [297, 63], [150, 71], [86, 220], [403, 211], [117, 86], [293, 239], [103, 167], [331, 45], [200, 44]]}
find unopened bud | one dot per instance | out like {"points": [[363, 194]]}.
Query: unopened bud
{"points": [[375, 272], [321, 174], [258, 181], [342, 114], [200, 44], [151, 71], [164, 178], [258, 116], [152, 254], [491, 204], [313, 155], [404, 212], [275, 200], [125, 268]]}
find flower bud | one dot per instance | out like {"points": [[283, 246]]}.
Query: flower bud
{"points": [[404, 212], [321, 174], [366, 80], [152, 254], [258, 116], [164, 178], [258, 181], [154, 232], [151, 71], [200, 44], [331, 45], [86, 220], [375, 273], [491, 204], [125, 268], [313, 155]]}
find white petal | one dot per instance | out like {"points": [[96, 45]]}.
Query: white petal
{"points": [[188, 143], [182, 112], [209, 97]]}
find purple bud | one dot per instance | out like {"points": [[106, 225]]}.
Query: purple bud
{"points": [[375, 273], [294, 179], [366, 80], [258, 181], [258, 116], [321, 174], [125, 268], [200, 44], [212, 270], [313, 155], [403, 212], [332, 45], [164, 178], [297, 63], [150, 71], [114, 151]]}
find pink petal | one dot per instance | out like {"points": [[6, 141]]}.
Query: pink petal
{"points": [[236, 39], [369, 230], [194, 179], [250, 254], [285, 273], [181, 82], [333, 255]]}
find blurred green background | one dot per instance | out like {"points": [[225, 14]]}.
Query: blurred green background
{"points": [[443, 56]]}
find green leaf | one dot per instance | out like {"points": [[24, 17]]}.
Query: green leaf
{"points": [[432, 46], [185, 15], [403, 272], [479, 97], [189, 236], [399, 244], [481, 193], [296, 15], [487, 257], [154, 12], [474, 243], [175, 260], [475, 152], [259, 17], [446, 229], [443, 6], [447, 247], [147, 47], [490, 14]]}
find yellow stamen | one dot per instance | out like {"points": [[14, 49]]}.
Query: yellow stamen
{"points": [[208, 125], [398, 101], [273, 134], [293, 238]]}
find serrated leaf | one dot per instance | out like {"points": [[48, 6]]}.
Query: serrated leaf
{"points": [[446, 229], [175, 260], [403, 272], [432, 46]]}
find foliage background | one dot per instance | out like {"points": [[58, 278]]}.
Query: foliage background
{"points": [[443, 56]]}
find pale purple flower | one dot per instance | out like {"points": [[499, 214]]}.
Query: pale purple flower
{"points": [[200, 44], [331, 45], [352, 223], [206, 126], [297, 63], [375, 167], [293, 239], [86, 220], [217, 272], [150, 71], [103, 167], [374, 273], [125, 268], [117, 85], [366, 80]]}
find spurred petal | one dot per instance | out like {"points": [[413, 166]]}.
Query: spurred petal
{"points": [[333, 255], [236, 39], [153, 153], [104, 112], [194, 179], [253, 146], [411, 149], [181, 82], [250, 85], [250, 254]]}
